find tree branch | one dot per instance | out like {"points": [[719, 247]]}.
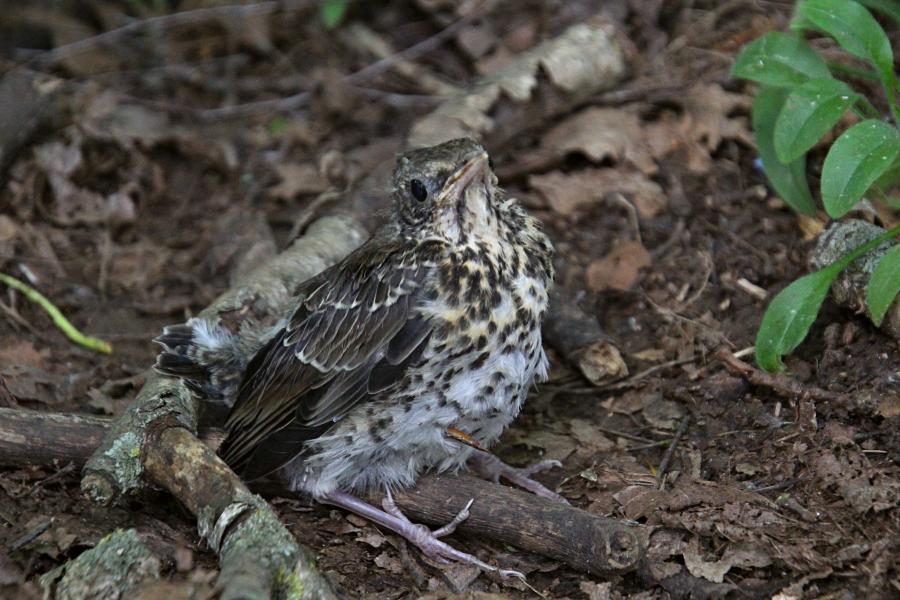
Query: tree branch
{"points": [[182, 464]]}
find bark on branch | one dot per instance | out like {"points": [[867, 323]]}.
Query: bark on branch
{"points": [[182, 464]]}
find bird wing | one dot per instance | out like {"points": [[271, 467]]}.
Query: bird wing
{"points": [[353, 335]]}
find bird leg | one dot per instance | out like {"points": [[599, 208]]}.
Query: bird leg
{"points": [[492, 468], [419, 535]]}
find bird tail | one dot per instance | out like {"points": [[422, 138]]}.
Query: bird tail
{"points": [[206, 356]]}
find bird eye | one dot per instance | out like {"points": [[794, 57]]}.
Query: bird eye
{"points": [[490, 163], [418, 190]]}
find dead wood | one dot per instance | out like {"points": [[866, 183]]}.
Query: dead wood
{"points": [[777, 382], [182, 464], [586, 542], [115, 568]]}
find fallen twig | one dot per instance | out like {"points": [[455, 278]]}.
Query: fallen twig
{"points": [[182, 464], [777, 382], [61, 322], [670, 452]]}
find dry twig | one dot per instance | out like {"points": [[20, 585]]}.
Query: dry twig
{"points": [[777, 382]]}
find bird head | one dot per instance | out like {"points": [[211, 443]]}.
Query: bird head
{"points": [[446, 191]]}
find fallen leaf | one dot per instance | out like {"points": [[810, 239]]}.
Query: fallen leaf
{"points": [[600, 134], [706, 121], [601, 362], [618, 270], [298, 179], [568, 192], [589, 436], [389, 563], [863, 487], [663, 414], [476, 40], [75, 205], [655, 355], [596, 591], [554, 445], [698, 567], [628, 403], [376, 540], [889, 407], [737, 555]]}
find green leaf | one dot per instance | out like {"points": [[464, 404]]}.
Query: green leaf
{"points": [[793, 310], [789, 181], [779, 60], [277, 126], [790, 315], [855, 161], [884, 285], [853, 27], [809, 112], [332, 12], [890, 8]]}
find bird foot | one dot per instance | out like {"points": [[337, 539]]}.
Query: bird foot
{"points": [[492, 468], [425, 539]]}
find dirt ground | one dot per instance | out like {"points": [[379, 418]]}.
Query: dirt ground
{"points": [[141, 202]]}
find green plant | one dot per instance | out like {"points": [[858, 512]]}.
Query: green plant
{"points": [[332, 12], [799, 100]]}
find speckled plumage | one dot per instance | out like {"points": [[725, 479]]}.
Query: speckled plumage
{"points": [[433, 323]]}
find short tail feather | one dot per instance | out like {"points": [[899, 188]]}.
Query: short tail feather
{"points": [[205, 356]]}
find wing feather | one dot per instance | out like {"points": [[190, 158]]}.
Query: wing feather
{"points": [[354, 334]]}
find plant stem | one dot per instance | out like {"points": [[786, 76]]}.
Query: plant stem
{"points": [[847, 70], [843, 262], [868, 110], [59, 320]]}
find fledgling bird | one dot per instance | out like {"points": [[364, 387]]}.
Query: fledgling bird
{"points": [[409, 355]]}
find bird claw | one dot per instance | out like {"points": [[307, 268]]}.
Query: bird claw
{"points": [[492, 468], [540, 467], [429, 542]]}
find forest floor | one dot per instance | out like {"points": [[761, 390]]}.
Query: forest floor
{"points": [[134, 213]]}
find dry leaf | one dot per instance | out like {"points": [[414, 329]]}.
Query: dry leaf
{"points": [[589, 436], [618, 270], [889, 407], [650, 355], [706, 121], [554, 445], [566, 193], [298, 179], [596, 591], [388, 562], [738, 555], [663, 414], [72, 204], [601, 362], [601, 133]]}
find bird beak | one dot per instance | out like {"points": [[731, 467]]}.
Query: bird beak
{"points": [[475, 168]]}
